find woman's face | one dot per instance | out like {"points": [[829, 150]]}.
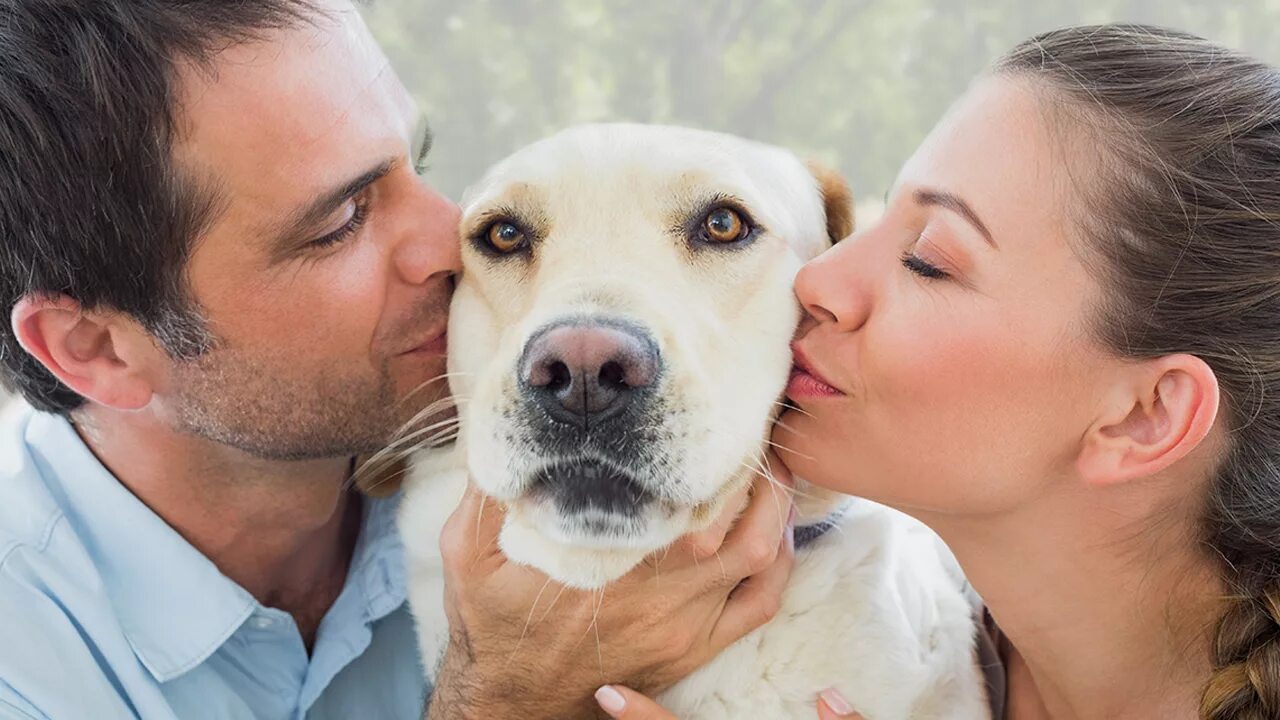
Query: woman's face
{"points": [[954, 333]]}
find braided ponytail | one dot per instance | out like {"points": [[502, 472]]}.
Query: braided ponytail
{"points": [[1186, 223], [1246, 660]]}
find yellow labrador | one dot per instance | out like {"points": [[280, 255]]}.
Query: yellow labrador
{"points": [[619, 342]]}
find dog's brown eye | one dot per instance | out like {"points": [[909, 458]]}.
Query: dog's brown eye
{"points": [[505, 237], [724, 225]]}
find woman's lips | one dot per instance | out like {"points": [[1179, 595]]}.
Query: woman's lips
{"points": [[805, 381]]}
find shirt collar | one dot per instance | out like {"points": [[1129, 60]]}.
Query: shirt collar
{"points": [[174, 605]]}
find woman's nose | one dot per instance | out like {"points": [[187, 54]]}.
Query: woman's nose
{"points": [[831, 288]]}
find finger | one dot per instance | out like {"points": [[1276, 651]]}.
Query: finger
{"points": [[833, 706], [627, 704], [705, 543], [753, 543], [757, 600], [471, 532]]}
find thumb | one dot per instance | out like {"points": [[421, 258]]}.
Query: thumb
{"points": [[627, 704], [833, 706]]}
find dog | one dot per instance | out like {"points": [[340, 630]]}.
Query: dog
{"points": [[619, 345]]}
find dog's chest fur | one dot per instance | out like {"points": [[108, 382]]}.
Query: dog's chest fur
{"points": [[873, 608]]}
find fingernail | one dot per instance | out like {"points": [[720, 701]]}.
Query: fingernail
{"points": [[611, 700], [791, 518], [836, 701]]}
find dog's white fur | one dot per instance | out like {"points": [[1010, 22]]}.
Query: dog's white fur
{"points": [[873, 608]]}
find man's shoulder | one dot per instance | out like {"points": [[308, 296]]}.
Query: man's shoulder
{"points": [[58, 634], [29, 512], [58, 629]]}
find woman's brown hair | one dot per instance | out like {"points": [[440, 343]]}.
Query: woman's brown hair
{"points": [[1186, 220]]}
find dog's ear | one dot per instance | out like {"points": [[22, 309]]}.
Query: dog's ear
{"points": [[837, 200]]}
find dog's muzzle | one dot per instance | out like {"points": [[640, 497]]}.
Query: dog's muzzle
{"points": [[589, 390]]}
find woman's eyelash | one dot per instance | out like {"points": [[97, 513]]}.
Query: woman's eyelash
{"points": [[913, 263], [358, 217]]}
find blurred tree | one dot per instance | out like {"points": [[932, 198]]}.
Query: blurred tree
{"points": [[856, 83]]}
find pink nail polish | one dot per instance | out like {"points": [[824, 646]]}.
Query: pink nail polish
{"points": [[836, 701], [610, 700]]}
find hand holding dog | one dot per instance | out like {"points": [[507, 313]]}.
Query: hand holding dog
{"points": [[522, 645]]}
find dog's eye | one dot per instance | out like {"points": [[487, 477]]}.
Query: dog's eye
{"points": [[724, 225], [505, 237]]}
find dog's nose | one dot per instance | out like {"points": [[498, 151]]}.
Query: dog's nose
{"points": [[586, 372]]}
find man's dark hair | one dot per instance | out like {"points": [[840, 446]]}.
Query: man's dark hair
{"points": [[91, 204]]}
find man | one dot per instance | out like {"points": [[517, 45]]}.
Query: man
{"points": [[224, 280]]}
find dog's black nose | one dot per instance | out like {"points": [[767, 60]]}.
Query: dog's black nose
{"points": [[585, 372]]}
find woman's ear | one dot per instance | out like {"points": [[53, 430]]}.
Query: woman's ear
{"points": [[837, 201], [93, 353], [1157, 415]]}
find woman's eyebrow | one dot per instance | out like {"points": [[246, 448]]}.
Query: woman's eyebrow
{"points": [[926, 198]]}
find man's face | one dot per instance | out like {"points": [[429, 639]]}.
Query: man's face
{"points": [[326, 275]]}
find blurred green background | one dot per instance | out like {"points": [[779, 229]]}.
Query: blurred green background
{"points": [[856, 83]]}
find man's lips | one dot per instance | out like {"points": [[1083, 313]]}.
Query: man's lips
{"points": [[435, 344], [805, 380]]}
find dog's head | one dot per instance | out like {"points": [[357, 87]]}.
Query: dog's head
{"points": [[619, 339]]}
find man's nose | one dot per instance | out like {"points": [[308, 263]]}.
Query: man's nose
{"points": [[429, 245], [834, 287]]}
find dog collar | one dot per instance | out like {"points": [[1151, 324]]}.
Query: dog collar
{"points": [[806, 535]]}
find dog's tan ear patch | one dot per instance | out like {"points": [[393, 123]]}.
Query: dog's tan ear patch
{"points": [[837, 200]]}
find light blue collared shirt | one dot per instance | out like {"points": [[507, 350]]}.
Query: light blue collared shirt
{"points": [[107, 612]]}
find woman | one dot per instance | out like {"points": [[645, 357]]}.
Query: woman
{"points": [[1060, 348]]}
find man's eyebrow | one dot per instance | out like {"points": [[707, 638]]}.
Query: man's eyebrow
{"points": [[309, 216], [953, 203]]}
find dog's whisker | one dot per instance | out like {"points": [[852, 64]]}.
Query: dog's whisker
{"points": [[786, 449], [595, 618], [794, 491], [412, 437], [554, 600], [412, 443], [428, 383], [355, 479], [443, 404], [787, 427], [789, 406], [394, 453], [480, 517], [527, 620]]}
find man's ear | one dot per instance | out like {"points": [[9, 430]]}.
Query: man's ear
{"points": [[1156, 416], [837, 201], [99, 355]]}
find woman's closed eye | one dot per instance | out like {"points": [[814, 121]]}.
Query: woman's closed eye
{"points": [[925, 260], [922, 267]]}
